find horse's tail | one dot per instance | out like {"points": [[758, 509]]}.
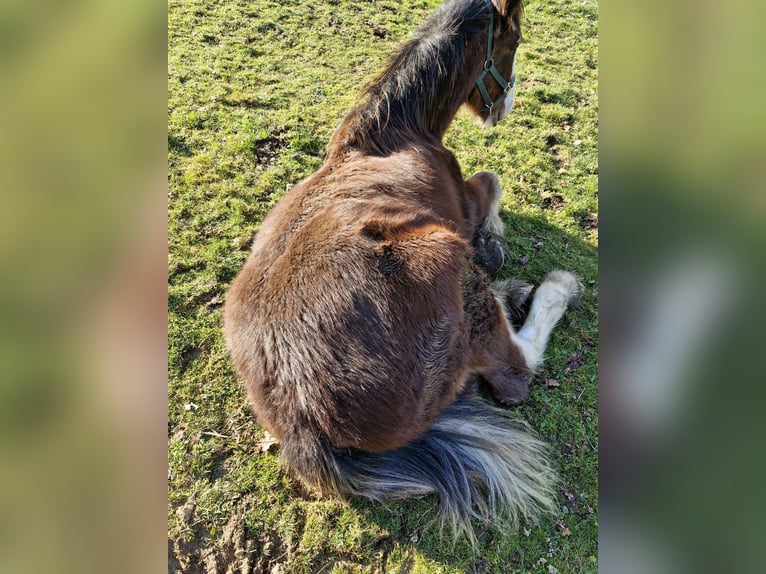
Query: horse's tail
{"points": [[480, 462]]}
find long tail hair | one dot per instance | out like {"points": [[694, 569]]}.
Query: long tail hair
{"points": [[482, 464]]}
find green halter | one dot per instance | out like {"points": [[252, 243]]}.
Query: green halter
{"points": [[489, 68]]}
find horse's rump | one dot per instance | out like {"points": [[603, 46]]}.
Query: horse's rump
{"points": [[360, 323]]}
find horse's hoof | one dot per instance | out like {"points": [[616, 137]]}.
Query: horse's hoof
{"points": [[489, 253], [515, 295]]}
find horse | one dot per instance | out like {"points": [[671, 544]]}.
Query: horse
{"points": [[366, 308]]}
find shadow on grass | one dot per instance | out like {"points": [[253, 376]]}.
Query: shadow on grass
{"points": [[400, 535], [535, 247]]}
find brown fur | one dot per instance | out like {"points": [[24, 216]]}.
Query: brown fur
{"points": [[360, 314], [363, 277]]}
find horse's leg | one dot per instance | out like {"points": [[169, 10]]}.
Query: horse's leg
{"points": [[487, 192], [483, 189], [558, 290], [488, 250], [513, 294], [507, 358]]}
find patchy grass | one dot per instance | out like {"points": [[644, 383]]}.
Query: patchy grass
{"points": [[255, 90]]}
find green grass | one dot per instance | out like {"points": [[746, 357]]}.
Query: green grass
{"points": [[255, 90]]}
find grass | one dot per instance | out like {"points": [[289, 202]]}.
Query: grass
{"points": [[255, 90]]}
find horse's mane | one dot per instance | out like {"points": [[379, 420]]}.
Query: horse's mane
{"points": [[410, 94]]}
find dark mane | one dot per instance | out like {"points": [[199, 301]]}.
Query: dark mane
{"points": [[410, 94]]}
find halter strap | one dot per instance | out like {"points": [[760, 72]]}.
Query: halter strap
{"points": [[489, 68]]}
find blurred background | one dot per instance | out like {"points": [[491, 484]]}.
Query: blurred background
{"points": [[682, 176], [83, 300], [83, 297]]}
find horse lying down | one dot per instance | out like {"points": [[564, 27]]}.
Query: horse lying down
{"points": [[366, 306]]}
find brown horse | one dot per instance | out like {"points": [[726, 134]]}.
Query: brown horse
{"points": [[365, 305]]}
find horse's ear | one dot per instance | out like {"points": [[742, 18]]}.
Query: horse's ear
{"points": [[506, 7]]}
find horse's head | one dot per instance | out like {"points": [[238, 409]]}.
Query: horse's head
{"points": [[492, 96]]}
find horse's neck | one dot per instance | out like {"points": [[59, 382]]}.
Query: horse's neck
{"points": [[403, 109]]}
